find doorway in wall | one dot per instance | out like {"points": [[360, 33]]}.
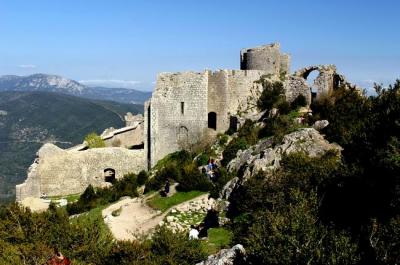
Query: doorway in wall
{"points": [[212, 120]]}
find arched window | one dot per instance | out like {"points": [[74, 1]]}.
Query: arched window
{"points": [[212, 120], [109, 175]]}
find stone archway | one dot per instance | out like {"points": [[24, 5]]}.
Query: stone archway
{"points": [[324, 83]]}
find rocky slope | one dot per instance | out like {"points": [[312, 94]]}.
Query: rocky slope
{"points": [[265, 157]]}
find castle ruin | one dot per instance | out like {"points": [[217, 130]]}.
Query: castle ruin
{"points": [[185, 108]]}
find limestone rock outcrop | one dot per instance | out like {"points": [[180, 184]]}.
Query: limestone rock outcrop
{"points": [[264, 157], [225, 256]]}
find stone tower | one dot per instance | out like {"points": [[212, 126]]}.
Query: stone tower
{"points": [[267, 58]]}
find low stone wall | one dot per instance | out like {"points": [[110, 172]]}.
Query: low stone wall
{"points": [[61, 172]]}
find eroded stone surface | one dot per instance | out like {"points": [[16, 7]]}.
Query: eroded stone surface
{"points": [[264, 157], [225, 256]]}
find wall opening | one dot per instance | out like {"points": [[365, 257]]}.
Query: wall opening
{"points": [[233, 123], [212, 120], [109, 175], [182, 107], [310, 77]]}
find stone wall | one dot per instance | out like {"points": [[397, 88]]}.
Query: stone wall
{"points": [[295, 86], [177, 115], [62, 172], [130, 137], [178, 112]]}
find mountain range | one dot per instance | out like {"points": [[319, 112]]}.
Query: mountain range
{"points": [[54, 83], [30, 119]]}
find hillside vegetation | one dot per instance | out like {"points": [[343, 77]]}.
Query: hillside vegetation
{"points": [[29, 119], [327, 209]]}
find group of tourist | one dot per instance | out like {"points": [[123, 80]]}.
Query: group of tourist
{"points": [[211, 169]]}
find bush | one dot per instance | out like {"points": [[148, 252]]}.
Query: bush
{"points": [[223, 139], [192, 179], [142, 177], [202, 159], [232, 148], [94, 140], [272, 93], [174, 248], [222, 177], [298, 102], [249, 132], [277, 127], [169, 171], [91, 198]]}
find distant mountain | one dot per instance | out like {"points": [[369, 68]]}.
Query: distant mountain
{"points": [[54, 83], [29, 119], [123, 95]]}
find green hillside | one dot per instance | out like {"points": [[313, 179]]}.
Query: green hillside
{"points": [[29, 119]]}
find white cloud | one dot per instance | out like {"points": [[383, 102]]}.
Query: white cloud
{"points": [[27, 66], [111, 83]]}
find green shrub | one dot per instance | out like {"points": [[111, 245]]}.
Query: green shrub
{"points": [[175, 248], [292, 235], [192, 179], [222, 177], [223, 139], [202, 159], [277, 127], [142, 177], [232, 148], [249, 132], [91, 198], [283, 106], [299, 101], [169, 171], [94, 140], [272, 93]]}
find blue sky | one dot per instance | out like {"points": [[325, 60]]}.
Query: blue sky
{"points": [[126, 43]]}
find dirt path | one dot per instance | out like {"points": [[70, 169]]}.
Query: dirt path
{"points": [[135, 217]]}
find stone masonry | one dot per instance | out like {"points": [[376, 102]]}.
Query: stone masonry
{"points": [[185, 108], [62, 172], [190, 106]]}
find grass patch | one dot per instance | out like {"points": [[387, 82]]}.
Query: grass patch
{"points": [[218, 238], [164, 203], [69, 198], [93, 216]]}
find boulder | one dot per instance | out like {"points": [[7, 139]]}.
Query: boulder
{"points": [[225, 256], [319, 125]]}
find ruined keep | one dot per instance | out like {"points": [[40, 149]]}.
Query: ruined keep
{"points": [[186, 107]]}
